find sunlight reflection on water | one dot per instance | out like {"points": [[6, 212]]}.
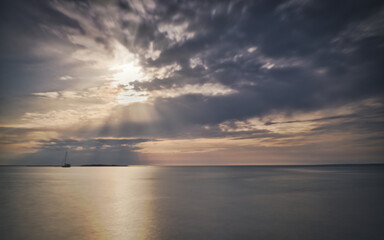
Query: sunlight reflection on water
{"points": [[191, 203], [78, 203]]}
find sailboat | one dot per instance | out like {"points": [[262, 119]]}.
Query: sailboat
{"points": [[65, 164]]}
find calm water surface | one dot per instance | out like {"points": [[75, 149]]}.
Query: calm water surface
{"points": [[192, 203]]}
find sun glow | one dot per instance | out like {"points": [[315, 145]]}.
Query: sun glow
{"points": [[123, 76], [125, 69], [126, 73]]}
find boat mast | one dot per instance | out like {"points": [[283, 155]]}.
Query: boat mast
{"points": [[65, 158]]}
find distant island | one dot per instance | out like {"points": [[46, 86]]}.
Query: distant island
{"points": [[103, 165]]}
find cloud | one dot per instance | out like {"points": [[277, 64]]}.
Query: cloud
{"points": [[87, 144], [271, 72], [313, 120], [207, 89], [66, 77]]}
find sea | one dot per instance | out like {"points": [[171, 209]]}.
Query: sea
{"points": [[208, 202]]}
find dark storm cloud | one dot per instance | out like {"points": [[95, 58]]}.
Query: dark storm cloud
{"points": [[314, 56], [315, 59]]}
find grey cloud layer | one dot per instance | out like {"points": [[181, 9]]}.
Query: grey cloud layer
{"points": [[85, 151], [315, 61], [62, 144]]}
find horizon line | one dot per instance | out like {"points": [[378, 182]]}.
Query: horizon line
{"points": [[222, 165]]}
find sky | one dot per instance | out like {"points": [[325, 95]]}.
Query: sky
{"points": [[192, 82]]}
